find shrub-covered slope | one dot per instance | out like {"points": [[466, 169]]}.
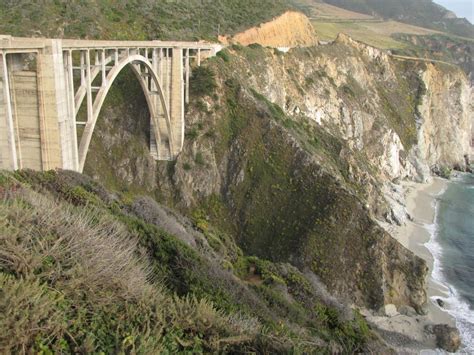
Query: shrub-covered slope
{"points": [[85, 270], [134, 20]]}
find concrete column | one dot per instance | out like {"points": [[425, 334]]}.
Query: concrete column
{"points": [[177, 102], [163, 141], [187, 74], [103, 69], [153, 139], [8, 153], [55, 121], [88, 85], [72, 110], [163, 151]]}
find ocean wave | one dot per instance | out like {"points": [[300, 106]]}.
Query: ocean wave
{"points": [[454, 303]]}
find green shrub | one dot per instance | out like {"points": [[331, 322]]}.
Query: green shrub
{"points": [[203, 82], [199, 159], [224, 55], [192, 134]]}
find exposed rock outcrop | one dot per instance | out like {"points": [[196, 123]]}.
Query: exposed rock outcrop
{"points": [[447, 338], [291, 151], [291, 29], [445, 117]]}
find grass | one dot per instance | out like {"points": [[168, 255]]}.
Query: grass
{"points": [[327, 11], [87, 286], [90, 275], [375, 33], [420, 13]]}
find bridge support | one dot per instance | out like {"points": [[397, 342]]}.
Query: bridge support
{"points": [[8, 149], [45, 82], [54, 116]]}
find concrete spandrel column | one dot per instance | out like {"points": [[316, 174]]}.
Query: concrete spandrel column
{"points": [[177, 102], [9, 142], [164, 68], [153, 142]]}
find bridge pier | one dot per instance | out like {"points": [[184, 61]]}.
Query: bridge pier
{"points": [[177, 106], [8, 149], [45, 82], [54, 113]]}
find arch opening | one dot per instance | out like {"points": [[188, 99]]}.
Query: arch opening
{"points": [[119, 151], [152, 89]]}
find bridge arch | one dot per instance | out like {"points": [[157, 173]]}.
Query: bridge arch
{"points": [[136, 61], [66, 70]]}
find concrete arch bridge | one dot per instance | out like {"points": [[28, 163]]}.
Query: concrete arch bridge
{"points": [[52, 91]]}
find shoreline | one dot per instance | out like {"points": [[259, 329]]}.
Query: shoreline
{"points": [[405, 331], [416, 233]]}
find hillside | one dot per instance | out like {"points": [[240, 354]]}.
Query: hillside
{"points": [[83, 270], [423, 13], [134, 20], [400, 37], [270, 232]]}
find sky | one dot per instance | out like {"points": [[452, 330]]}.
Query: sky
{"points": [[462, 8]]}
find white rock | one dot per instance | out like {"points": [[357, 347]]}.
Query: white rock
{"points": [[391, 310]]}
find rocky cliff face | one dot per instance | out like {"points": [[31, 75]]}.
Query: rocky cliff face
{"points": [[404, 116], [293, 155], [445, 119], [456, 50], [290, 29]]}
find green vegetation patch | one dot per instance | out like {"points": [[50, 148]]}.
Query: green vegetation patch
{"points": [[203, 82], [135, 20], [94, 277]]}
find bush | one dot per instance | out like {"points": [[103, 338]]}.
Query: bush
{"points": [[73, 279], [203, 82], [224, 55], [192, 134], [81, 277], [199, 159]]}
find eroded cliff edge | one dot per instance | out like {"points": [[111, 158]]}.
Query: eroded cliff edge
{"points": [[292, 154]]}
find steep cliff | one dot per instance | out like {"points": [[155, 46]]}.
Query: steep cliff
{"points": [[446, 118], [291, 152], [290, 29], [456, 50]]}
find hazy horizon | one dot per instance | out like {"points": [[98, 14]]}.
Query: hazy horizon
{"points": [[462, 8]]}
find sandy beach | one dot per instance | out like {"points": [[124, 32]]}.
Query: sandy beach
{"points": [[407, 331], [420, 199]]}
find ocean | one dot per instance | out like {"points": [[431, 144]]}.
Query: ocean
{"points": [[452, 245]]}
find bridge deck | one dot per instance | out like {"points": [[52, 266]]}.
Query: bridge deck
{"points": [[21, 44]]}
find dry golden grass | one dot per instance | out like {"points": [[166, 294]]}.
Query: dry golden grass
{"points": [[35, 230], [73, 279], [374, 33], [326, 11], [329, 21]]}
